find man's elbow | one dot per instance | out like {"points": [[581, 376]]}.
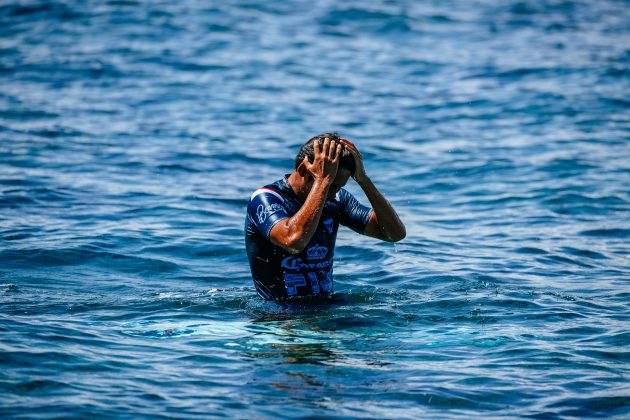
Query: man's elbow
{"points": [[288, 239], [400, 237], [295, 244], [397, 236]]}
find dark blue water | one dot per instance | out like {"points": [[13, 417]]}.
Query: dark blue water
{"points": [[132, 134]]}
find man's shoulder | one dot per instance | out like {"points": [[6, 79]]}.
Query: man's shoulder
{"points": [[267, 206], [274, 189], [343, 195]]}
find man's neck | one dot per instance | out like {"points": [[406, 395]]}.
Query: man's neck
{"points": [[296, 182]]}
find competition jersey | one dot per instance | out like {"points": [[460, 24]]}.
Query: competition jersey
{"points": [[277, 273]]}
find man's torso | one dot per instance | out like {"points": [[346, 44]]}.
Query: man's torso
{"points": [[279, 274]]}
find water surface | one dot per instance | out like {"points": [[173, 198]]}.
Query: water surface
{"points": [[132, 134]]}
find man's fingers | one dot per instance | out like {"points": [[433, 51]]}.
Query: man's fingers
{"points": [[317, 147], [337, 152], [347, 142], [326, 146], [351, 148], [349, 145], [333, 148]]}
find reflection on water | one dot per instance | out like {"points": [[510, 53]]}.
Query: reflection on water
{"points": [[310, 354]]}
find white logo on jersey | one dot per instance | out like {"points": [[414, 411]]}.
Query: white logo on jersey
{"points": [[263, 212]]}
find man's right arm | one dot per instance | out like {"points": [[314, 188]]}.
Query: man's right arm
{"points": [[294, 233]]}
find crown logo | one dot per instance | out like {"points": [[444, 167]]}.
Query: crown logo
{"points": [[316, 252]]}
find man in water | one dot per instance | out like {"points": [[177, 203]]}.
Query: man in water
{"points": [[291, 225]]}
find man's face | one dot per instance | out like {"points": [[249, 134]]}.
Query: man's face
{"points": [[340, 180]]}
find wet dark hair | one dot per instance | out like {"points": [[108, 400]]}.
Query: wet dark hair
{"points": [[346, 160]]}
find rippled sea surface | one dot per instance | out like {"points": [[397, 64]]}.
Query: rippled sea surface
{"points": [[132, 134]]}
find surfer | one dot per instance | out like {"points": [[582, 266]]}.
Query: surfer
{"points": [[291, 224]]}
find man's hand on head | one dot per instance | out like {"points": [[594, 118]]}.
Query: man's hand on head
{"points": [[359, 172], [326, 160], [294, 233]]}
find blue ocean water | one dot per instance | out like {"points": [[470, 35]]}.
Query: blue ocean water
{"points": [[133, 132]]}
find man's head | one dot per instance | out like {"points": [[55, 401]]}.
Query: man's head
{"points": [[344, 172], [307, 150]]}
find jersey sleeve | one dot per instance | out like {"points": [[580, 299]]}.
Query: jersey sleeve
{"points": [[353, 214], [265, 209]]}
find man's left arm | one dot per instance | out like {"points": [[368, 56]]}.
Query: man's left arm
{"points": [[384, 222]]}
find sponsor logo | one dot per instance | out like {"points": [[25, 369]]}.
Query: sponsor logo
{"points": [[292, 282], [314, 283], [296, 263], [328, 224], [327, 282], [263, 212], [316, 252]]}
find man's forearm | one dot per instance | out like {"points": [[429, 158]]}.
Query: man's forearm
{"points": [[294, 233], [390, 226], [307, 218], [300, 228]]}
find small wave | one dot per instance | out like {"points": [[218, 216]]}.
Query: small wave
{"points": [[377, 21], [573, 204], [620, 102], [10, 288], [38, 385], [559, 166], [617, 340], [572, 198], [26, 114], [607, 232], [559, 259], [339, 16], [582, 331], [57, 132], [25, 10], [168, 329], [124, 3], [20, 182], [586, 253], [609, 355], [16, 201], [29, 258], [178, 168], [457, 337], [604, 406], [530, 250]]}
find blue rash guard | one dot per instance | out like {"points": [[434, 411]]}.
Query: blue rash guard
{"points": [[277, 273]]}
